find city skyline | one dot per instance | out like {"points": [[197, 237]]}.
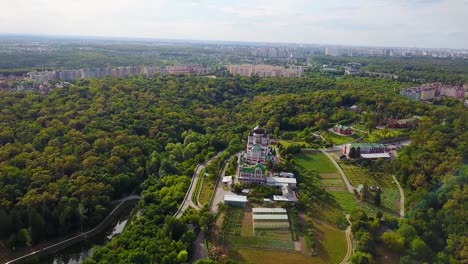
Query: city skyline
{"points": [[413, 23]]}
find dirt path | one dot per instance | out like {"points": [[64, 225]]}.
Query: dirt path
{"points": [[343, 175], [349, 242], [402, 197]]}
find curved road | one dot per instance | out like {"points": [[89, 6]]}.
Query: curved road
{"points": [[188, 196], [90, 232], [402, 197]]}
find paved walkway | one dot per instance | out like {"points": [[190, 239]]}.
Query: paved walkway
{"points": [[402, 197], [188, 196], [343, 175], [199, 248], [220, 192]]}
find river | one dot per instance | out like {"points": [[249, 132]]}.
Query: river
{"points": [[81, 251]]}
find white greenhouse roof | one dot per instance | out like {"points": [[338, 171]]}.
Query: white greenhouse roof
{"points": [[281, 198], [235, 198], [280, 181], [270, 217], [375, 155], [268, 210]]}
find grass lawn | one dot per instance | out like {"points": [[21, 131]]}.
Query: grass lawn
{"points": [[287, 143], [345, 200], [258, 256], [206, 191], [316, 161], [336, 139]]}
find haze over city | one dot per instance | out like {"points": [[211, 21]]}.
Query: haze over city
{"points": [[412, 23]]}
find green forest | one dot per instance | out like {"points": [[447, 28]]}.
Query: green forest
{"points": [[65, 156]]}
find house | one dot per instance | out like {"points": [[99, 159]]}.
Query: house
{"points": [[360, 188], [343, 130], [227, 180], [403, 123], [366, 150], [235, 200]]}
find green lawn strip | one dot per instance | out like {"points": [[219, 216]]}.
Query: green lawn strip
{"points": [[206, 191], [260, 242], [336, 139], [331, 242], [317, 161]]}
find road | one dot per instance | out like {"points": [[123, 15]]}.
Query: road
{"points": [[85, 234], [345, 179], [220, 192], [199, 247], [187, 202], [349, 242], [402, 197]]}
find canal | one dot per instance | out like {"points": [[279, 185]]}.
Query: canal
{"points": [[81, 251]]}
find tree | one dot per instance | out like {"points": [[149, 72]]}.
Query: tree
{"points": [[82, 211], [361, 258], [419, 249], [182, 257], [377, 198], [352, 153], [393, 241]]}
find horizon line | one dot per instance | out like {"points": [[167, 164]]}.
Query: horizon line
{"points": [[202, 41]]}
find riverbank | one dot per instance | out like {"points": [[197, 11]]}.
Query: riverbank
{"points": [[42, 250]]}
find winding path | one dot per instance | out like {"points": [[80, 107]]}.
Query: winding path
{"points": [[349, 242], [348, 233], [402, 197], [187, 202], [70, 241]]}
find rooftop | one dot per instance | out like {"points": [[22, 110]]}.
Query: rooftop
{"points": [[281, 180], [270, 217], [375, 155], [366, 145], [268, 210], [235, 198]]}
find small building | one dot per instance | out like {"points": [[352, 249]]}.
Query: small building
{"points": [[235, 200], [280, 182], [343, 130], [360, 188], [227, 180], [366, 150], [402, 123], [354, 108]]}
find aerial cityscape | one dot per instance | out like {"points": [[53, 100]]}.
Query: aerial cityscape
{"points": [[214, 132]]}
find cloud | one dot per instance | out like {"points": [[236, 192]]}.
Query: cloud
{"points": [[433, 23]]}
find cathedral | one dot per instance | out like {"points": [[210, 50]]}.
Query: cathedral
{"points": [[252, 162]]}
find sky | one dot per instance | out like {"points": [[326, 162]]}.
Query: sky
{"points": [[393, 23]]}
